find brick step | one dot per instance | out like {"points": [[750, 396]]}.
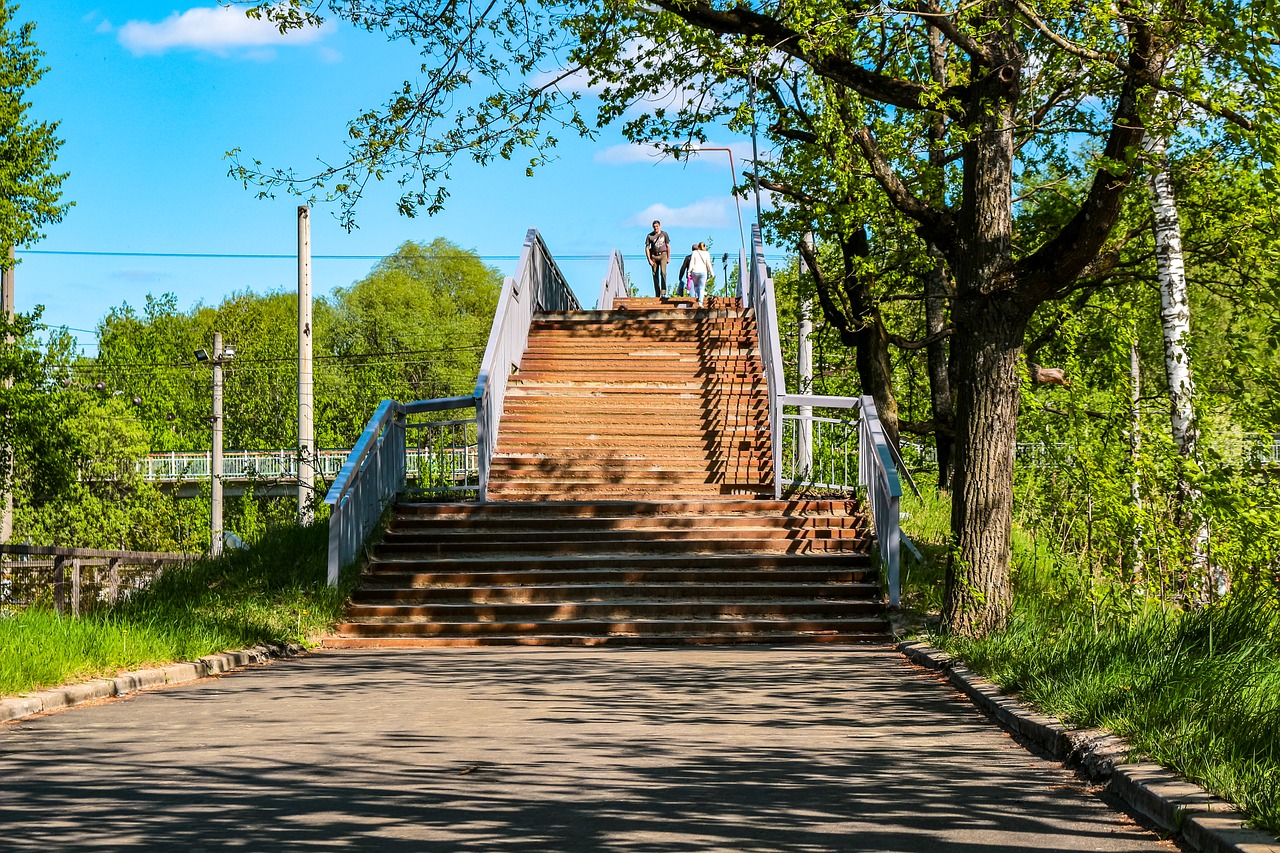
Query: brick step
{"points": [[736, 348], [575, 428], [636, 542], [708, 389], [441, 615], [624, 365], [604, 539], [677, 410], [606, 628], [667, 469], [634, 488], [647, 493], [699, 591], [627, 476], [641, 378], [770, 638], [614, 509], [521, 524], [376, 583], [563, 391]]}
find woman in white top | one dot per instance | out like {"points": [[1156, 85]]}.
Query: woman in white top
{"points": [[699, 269]]}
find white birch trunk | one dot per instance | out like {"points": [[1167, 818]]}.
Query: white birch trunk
{"points": [[1175, 321], [1135, 451]]}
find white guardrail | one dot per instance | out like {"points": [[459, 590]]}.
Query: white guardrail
{"points": [[375, 471], [614, 285], [824, 463]]}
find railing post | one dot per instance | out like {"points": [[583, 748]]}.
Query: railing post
{"points": [[59, 585], [113, 580], [75, 587]]}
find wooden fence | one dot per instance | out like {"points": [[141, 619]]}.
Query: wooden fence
{"points": [[76, 580]]}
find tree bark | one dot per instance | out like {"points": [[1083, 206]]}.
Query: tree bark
{"points": [[990, 319], [988, 353]]}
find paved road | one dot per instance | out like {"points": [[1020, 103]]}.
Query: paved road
{"points": [[558, 750]]}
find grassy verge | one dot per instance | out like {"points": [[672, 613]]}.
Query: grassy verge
{"points": [[274, 592], [1198, 692]]}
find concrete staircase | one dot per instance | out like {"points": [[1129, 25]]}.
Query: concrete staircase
{"points": [[649, 401], [630, 503], [617, 573]]}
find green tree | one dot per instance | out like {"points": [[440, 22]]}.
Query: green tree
{"points": [[30, 191]]}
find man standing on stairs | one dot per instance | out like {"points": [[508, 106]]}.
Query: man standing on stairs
{"points": [[657, 248]]}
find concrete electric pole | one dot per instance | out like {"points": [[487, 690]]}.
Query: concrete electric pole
{"points": [[306, 397], [220, 356]]}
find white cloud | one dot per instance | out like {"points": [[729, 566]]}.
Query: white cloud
{"points": [[708, 213], [215, 30], [626, 154]]}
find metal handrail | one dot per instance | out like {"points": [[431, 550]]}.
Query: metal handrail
{"points": [[877, 472], [766, 311], [374, 474], [614, 285], [538, 285]]}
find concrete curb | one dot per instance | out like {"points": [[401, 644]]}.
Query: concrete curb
{"points": [[143, 679], [1205, 822]]}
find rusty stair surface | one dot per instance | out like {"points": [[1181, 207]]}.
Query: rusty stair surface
{"points": [[618, 573], [654, 400], [630, 503]]}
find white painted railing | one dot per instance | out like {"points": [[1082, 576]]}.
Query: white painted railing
{"points": [[459, 450], [798, 463], [614, 285], [375, 471], [538, 285], [760, 293]]}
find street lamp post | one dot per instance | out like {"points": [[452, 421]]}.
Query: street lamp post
{"points": [[221, 355], [691, 148]]}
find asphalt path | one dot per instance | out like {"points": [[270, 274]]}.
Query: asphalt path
{"points": [[734, 749]]}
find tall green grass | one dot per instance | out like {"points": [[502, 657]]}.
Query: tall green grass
{"points": [[1197, 691], [274, 592]]}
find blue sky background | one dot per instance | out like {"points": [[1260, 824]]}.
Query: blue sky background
{"points": [[151, 95]]}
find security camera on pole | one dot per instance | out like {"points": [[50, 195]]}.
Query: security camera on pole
{"points": [[221, 355]]}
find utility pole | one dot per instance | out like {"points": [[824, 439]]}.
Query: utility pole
{"points": [[306, 410], [8, 309], [221, 355], [805, 359], [215, 462]]}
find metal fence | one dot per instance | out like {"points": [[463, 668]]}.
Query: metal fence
{"points": [[77, 580]]}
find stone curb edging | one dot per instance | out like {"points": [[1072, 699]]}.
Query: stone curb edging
{"points": [[143, 679], [1207, 823]]}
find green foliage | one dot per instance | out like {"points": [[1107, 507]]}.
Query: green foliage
{"points": [[30, 191], [273, 593], [414, 328], [1198, 691]]}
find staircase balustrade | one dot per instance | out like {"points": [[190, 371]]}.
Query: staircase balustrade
{"points": [[614, 285], [458, 452], [877, 471], [377, 468], [538, 285]]}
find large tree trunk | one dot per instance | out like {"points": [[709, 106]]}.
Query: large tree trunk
{"points": [[990, 321], [987, 349], [935, 313]]}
